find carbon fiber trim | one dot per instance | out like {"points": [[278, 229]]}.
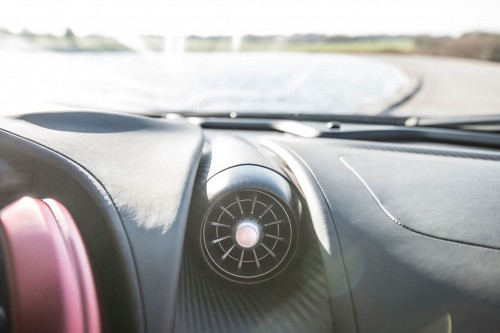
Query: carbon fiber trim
{"points": [[296, 303]]}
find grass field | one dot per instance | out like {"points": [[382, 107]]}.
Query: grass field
{"points": [[476, 45], [402, 45], [76, 44], [223, 44]]}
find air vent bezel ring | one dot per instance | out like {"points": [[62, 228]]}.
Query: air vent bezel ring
{"points": [[285, 258]]}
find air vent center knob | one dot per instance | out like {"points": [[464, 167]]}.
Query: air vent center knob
{"points": [[247, 234]]}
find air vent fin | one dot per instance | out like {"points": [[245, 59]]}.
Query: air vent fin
{"points": [[248, 235]]}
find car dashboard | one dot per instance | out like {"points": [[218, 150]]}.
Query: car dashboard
{"points": [[196, 226]]}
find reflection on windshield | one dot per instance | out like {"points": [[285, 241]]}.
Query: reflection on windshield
{"points": [[203, 81]]}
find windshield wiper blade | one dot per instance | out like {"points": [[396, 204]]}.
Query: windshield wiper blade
{"points": [[476, 123], [355, 132], [321, 117]]}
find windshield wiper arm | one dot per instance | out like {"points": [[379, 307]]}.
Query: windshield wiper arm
{"points": [[475, 122], [320, 117]]}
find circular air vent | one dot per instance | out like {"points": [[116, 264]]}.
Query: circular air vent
{"points": [[248, 235]]}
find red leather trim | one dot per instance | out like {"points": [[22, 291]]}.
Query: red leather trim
{"points": [[50, 279]]}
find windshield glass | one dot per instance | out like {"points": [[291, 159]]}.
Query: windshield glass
{"points": [[398, 58]]}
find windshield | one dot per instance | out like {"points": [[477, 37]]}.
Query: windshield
{"points": [[394, 58]]}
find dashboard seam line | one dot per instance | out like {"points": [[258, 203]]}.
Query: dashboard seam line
{"points": [[368, 188], [401, 224]]}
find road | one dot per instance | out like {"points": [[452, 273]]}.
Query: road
{"points": [[450, 86]]}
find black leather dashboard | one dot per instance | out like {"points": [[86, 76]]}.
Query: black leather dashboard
{"points": [[399, 237], [401, 279], [146, 169]]}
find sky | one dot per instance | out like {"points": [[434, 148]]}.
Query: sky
{"points": [[233, 17]]}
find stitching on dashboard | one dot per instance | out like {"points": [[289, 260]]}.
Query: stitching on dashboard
{"points": [[398, 222], [385, 210]]}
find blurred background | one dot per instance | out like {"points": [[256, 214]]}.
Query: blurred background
{"points": [[313, 56]]}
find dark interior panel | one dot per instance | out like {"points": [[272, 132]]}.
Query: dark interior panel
{"points": [[401, 281], [28, 170], [393, 237], [296, 302], [147, 167], [439, 197]]}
